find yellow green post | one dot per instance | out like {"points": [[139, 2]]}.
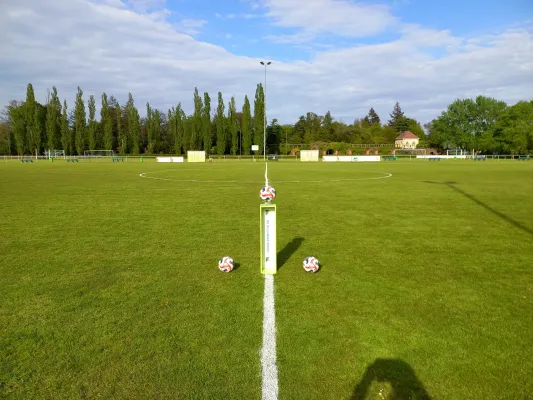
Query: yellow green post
{"points": [[268, 251]]}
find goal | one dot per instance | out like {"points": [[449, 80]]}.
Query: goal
{"points": [[98, 153], [54, 153]]}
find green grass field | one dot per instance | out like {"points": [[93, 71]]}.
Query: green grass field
{"points": [[109, 286]]}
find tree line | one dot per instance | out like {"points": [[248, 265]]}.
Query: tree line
{"points": [[484, 124], [28, 127]]}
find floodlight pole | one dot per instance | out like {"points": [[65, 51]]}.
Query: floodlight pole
{"points": [[265, 64]]}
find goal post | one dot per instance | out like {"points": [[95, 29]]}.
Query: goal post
{"points": [[54, 154], [98, 153]]}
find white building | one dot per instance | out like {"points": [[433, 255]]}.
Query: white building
{"points": [[407, 140]]}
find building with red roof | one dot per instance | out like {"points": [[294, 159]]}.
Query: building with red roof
{"points": [[407, 140]]}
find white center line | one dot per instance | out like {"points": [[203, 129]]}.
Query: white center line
{"points": [[269, 369]]}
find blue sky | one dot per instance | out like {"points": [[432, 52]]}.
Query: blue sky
{"points": [[343, 56], [241, 26]]}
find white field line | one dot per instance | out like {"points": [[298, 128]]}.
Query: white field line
{"points": [[269, 368], [386, 175]]}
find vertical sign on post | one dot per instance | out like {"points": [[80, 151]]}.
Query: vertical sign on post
{"points": [[267, 225], [268, 238]]}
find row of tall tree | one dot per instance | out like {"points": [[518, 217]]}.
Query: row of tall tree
{"points": [[28, 127]]}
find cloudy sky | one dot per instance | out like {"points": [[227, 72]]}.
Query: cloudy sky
{"points": [[344, 56]]}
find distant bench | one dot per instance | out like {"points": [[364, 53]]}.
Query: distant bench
{"points": [[434, 159], [72, 160], [26, 160], [389, 158], [524, 158], [480, 158], [118, 159]]}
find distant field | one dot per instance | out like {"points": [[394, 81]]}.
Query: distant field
{"points": [[109, 286]]}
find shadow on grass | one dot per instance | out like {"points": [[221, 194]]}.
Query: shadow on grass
{"points": [[236, 265], [289, 249], [511, 221], [400, 375]]}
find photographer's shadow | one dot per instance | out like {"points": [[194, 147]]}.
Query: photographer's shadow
{"points": [[401, 376]]}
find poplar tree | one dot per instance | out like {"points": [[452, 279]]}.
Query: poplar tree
{"points": [[136, 131], [53, 121], [221, 126], [232, 125], [121, 133], [93, 125], [39, 123], [134, 125], [156, 130], [172, 127], [66, 137], [206, 123], [195, 132], [106, 121], [150, 129], [246, 130], [179, 130], [81, 122], [259, 117], [29, 116]]}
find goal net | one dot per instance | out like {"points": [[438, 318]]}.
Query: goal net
{"points": [[54, 153], [98, 153]]}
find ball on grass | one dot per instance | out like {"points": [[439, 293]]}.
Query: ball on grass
{"points": [[226, 264], [311, 264], [267, 193]]}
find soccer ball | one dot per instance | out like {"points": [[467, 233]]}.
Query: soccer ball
{"points": [[267, 193], [225, 264], [311, 264]]}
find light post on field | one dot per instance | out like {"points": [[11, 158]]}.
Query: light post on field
{"points": [[265, 64]]}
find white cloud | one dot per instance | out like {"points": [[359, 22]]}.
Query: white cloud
{"points": [[338, 17], [145, 5], [238, 16], [119, 50], [190, 26], [423, 37]]}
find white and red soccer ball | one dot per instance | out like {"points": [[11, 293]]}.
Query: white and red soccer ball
{"points": [[267, 193], [226, 264], [311, 264]]}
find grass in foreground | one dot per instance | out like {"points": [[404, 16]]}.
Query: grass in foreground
{"points": [[110, 287]]}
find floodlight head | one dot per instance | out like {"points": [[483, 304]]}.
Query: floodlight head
{"points": [[268, 63], [261, 62]]}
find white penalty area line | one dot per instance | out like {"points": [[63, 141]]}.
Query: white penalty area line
{"points": [[269, 368], [385, 176]]}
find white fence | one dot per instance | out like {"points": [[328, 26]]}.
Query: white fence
{"points": [[445, 157], [351, 158], [170, 159], [239, 158]]}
